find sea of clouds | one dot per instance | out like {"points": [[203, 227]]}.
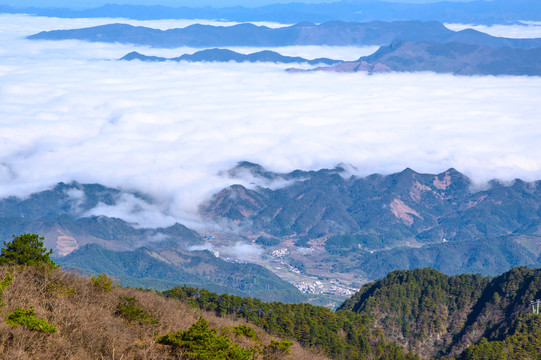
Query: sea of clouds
{"points": [[70, 111], [522, 30]]}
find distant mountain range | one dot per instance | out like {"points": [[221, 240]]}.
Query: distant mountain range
{"points": [[376, 224], [225, 55], [456, 58], [335, 33], [138, 257], [400, 56], [477, 12], [424, 208]]}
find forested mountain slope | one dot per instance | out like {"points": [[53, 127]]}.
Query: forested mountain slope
{"points": [[437, 314], [382, 210], [307, 226], [372, 225]]}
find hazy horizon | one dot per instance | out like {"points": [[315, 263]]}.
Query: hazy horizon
{"points": [[192, 3]]}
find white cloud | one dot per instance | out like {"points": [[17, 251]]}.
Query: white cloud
{"points": [[133, 210], [169, 129], [243, 252], [239, 251], [77, 198], [526, 29]]}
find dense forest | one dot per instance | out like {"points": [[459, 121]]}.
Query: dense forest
{"points": [[341, 335], [440, 315], [420, 313]]}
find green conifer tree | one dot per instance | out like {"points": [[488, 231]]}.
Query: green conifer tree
{"points": [[26, 249]]}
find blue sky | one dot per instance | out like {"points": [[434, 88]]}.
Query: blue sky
{"points": [[221, 3]]}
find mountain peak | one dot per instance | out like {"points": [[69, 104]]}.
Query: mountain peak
{"points": [[245, 167]]}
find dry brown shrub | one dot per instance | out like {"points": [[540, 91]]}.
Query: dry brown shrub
{"points": [[86, 321]]}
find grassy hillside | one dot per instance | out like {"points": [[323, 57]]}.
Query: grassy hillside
{"points": [[92, 323]]}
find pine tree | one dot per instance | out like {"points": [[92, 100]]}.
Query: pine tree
{"points": [[26, 249]]}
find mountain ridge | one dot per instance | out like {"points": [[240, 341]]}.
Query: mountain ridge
{"points": [[226, 55], [454, 57], [375, 224], [334, 33]]}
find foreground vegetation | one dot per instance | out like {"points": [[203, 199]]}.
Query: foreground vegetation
{"points": [[431, 314], [48, 313], [341, 335], [52, 314]]}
